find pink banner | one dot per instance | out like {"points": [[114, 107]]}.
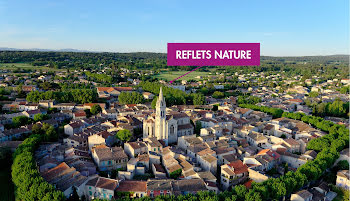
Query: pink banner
{"points": [[213, 54]]}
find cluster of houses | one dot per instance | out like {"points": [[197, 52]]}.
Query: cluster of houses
{"points": [[165, 155], [234, 146]]}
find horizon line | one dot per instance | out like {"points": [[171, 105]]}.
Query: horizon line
{"points": [[9, 49]]}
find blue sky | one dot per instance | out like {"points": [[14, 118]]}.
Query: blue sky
{"points": [[284, 28]]}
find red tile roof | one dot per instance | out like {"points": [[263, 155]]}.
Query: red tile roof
{"points": [[238, 167], [132, 186]]}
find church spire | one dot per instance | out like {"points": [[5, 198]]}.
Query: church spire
{"points": [[160, 106], [161, 101], [161, 94]]}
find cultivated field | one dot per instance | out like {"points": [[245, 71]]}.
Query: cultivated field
{"points": [[14, 66], [170, 75]]}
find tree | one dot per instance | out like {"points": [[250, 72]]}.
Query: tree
{"points": [[343, 165], [50, 132], [20, 121], [176, 174], [240, 191], [313, 94], [40, 117], [95, 109], [218, 94], [215, 108], [36, 129], [131, 98], [198, 127], [198, 99], [124, 135]]}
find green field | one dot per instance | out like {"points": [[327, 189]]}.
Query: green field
{"points": [[14, 66], [170, 75]]}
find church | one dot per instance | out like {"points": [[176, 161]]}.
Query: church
{"points": [[166, 127]]}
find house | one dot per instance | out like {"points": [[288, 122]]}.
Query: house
{"points": [[46, 103], [89, 105], [132, 149], [10, 134], [302, 195], [103, 137], [208, 163], [188, 186], [292, 145], [80, 114], [74, 127], [153, 145], [111, 114], [31, 113], [159, 187], [108, 159], [105, 92], [148, 96], [135, 166], [64, 106], [158, 171], [233, 174], [206, 176], [343, 180], [65, 178], [293, 160], [101, 187], [256, 139], [260, 162], [137, 189], [76, 141], [31, 106]]}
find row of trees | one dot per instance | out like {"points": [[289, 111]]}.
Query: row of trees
{"points": [[26, 177], [173, 96], [338, 134], [275, 112], [131, 98], [336, 108], [74, 95]]}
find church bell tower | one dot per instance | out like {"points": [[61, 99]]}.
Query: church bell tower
{"points": [[160, 116]]}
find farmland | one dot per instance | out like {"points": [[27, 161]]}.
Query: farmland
{"points": [[170, 75]]}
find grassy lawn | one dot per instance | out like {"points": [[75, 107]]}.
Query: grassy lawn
{"points": [[14, 66], [6, 185], [170, 75]]}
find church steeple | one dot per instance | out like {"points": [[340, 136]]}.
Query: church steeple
{"points": [[161, 105]]}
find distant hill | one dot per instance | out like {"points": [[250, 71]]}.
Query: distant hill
{"points": [[68, 58], [42, 50], [327, 58]]}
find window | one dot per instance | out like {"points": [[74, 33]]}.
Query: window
{"points": [[172, 130], [90, 192]]}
